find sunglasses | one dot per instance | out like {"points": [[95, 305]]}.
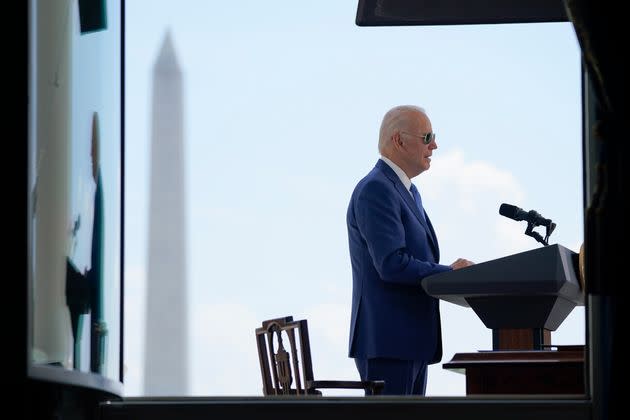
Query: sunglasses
{"points": [[427, 138]]}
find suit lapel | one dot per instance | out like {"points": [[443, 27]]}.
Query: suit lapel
{"points": [[407, 198], [433, 238]]}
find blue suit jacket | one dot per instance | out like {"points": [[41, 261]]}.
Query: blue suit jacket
{"points": [[391, 250]]}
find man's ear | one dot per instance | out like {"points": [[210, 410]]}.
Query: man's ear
{"points": [[397, 140]]}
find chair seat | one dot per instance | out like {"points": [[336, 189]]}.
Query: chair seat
{"points": [[375, 387]]}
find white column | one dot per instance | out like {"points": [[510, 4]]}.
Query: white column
{"points": [[52, 334]]}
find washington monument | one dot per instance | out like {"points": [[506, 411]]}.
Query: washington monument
{"points": [[166, 344]]}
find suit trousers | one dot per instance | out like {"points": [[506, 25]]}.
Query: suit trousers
{"points": [[402, 377]]}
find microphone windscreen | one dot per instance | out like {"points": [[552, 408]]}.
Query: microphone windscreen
{"points": [[508, 210]]}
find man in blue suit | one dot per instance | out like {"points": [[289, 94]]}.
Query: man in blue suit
{"points": [[395, 328]]}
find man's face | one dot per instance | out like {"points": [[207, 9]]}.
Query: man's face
{"points": [[419, 143]]}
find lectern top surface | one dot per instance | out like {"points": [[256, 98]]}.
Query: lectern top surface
{"points": [[549, 270]]}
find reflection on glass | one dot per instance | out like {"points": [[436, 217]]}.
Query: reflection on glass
{"points": [[75, 152], [84, 289]]}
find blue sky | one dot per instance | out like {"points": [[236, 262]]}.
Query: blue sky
{"points": [[283, 101]]}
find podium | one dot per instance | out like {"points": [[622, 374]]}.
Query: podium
{"points": [[521, 298]]}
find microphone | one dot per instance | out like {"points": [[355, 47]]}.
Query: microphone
{"points": [[518, 214]]}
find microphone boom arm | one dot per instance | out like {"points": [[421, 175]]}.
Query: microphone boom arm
{"points": [[531, 232]]}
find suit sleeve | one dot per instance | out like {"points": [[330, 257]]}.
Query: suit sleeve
{"points": [[378, 215]]}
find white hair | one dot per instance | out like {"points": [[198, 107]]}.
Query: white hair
{"points": [[393, 120]]}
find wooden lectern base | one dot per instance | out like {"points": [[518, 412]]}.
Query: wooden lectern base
{"points": [[521, 339], [558, 370]]}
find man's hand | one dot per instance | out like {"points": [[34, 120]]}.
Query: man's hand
{"points": [[461, 263]]}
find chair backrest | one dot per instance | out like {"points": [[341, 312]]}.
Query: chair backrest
{"points": [[285, 357]]}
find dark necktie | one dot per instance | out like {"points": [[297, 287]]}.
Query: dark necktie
{"points": [[418, 200]]}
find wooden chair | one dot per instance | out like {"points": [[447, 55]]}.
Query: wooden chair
{"points": [[289, 371]]}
